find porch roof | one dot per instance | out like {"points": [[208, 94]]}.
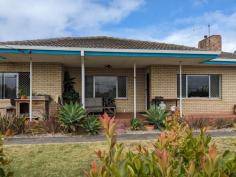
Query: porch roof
{"points": [[98, 58], [100, 51]]}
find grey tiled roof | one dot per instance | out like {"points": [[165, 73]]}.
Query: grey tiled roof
{"points": [[101, 42]]}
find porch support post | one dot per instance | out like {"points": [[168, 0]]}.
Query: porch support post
{"points": [[82, 79], [180, 90], [31, 88], [135, 108]]}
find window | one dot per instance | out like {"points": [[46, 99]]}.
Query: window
{"points": [[24, 83], [10, 83], [106, 86], [207, 86]]}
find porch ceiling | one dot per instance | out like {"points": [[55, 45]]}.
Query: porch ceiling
{"points": [[127, 62], [100, 61], [68, 60]]}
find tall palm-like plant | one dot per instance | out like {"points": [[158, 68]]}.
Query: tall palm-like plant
{"points": [[71, 115], [156, 116], [69, 94]]}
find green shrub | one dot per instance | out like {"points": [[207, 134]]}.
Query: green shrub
{"points": [[223, 123], [71, 115], [4, 162], [13, 123], [156, 117], [135, 124], [176, 153], [91, 125]]}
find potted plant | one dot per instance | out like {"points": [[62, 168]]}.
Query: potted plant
{"points": [[135, 124], [155, 118], [21, 94], [149, 127]]}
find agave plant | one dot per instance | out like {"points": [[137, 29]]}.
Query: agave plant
{"points": [[156, 116], [91, 125], [71, 115]]}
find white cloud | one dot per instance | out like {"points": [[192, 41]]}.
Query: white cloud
{"points": [[52, 18], [188, 31], [30, 19], [196, 28]]}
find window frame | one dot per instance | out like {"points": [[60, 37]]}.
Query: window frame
{"points": [[117, 96], [209, 89], [3, 84]]}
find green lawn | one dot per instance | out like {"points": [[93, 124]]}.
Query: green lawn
{"points": [[69, 160]]}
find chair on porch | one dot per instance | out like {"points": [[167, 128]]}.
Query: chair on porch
{"points": [[109, 106], [94, 105], [101, 105]]}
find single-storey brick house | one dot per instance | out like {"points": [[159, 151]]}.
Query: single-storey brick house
{"points": [[132, 71]]}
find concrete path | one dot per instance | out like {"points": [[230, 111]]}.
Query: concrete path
{"points": [[77, 139]]}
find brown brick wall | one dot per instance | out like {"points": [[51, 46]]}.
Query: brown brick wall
{"points": [[164, 83], [123, 105], [213, 42], [47, 78]]}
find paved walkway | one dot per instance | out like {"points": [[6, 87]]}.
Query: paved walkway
{"points": [[77, 139]]}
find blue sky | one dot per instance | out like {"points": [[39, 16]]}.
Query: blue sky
{"points": [[172, 21]]}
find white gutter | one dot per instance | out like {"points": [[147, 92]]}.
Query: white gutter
{"points": [[107, 50], [31, 90], [223, 59], [82, 79], [135, 104]]}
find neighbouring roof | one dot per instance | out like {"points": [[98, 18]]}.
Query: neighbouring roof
{"points": [[228, 55], [101, 42]]}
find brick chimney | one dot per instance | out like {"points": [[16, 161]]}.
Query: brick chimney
{"points": [[213, 43]]}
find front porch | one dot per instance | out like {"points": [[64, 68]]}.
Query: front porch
{"points": [[136, 76]]}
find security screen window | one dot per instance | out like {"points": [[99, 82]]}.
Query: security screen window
{"points": [[24, 82], [208, 86], [10, 83]]}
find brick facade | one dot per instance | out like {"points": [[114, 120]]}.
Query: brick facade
{"points": [[47, 79], [164, 83]]}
